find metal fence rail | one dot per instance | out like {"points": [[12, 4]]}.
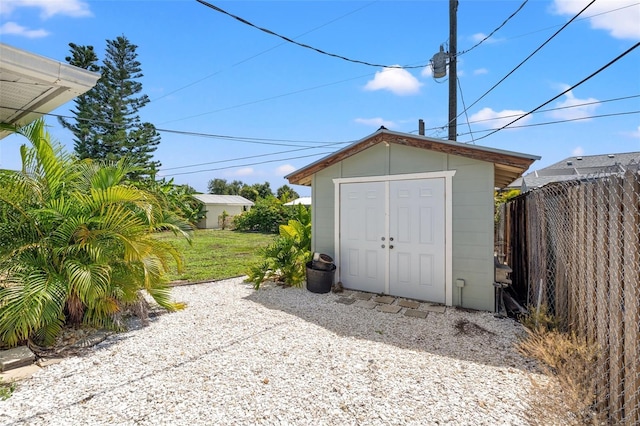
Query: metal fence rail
{"points": [[574, 248]]}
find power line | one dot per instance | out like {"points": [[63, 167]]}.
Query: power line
{"points": [[306, 46], [461, 134], [295, 92], [251, 156], [262, 141], [265, 51], [354, 78], [525, 60], [581, 19], [325, 153], [567, 120], [321, 144], [613, 61], [465, 108], [266, 140], [546, 110], [248, 164], [494, 31]]}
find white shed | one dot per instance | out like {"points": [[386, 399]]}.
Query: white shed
{"points": [[216, 204], [411, 216]]}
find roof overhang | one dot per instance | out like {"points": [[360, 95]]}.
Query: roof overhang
{"points": [[508, 165], [32, 85]]}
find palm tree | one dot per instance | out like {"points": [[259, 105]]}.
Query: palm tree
{"points": [[77, 242]]}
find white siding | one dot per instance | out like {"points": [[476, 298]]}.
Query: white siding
{"points": [[215, 210]]}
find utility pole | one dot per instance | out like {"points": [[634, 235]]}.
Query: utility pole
{"points": [[453, 72]]}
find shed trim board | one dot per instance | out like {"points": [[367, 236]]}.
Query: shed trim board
{"points": [[447, 177]]}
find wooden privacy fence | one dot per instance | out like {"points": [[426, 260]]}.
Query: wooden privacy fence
{"points": [[574, 247]]}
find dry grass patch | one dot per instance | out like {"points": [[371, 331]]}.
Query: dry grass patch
{"points": [[570, 360]]}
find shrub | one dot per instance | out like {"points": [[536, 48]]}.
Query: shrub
{"points": [[265, 216], [285, 260], [80, 247]]}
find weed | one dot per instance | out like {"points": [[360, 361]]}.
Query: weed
{"points": [[540, 319], [6, 389], [569, 359]]}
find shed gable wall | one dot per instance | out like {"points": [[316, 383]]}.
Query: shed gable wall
{"points": [[214, 211], [472, 209]]}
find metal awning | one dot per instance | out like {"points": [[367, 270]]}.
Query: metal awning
{"points": [[32, 85]]}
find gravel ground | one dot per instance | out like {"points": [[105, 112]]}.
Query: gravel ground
{"points": [[286, 357]]}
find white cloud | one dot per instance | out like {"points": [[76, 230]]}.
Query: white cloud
{"points": [[622, 24], [427, 71], [478, 37], [489, 118], [480, 71], [396, 80], [633, 134], [375, 122], [49, 8], [573, 107], [11, 28], [285, 169], [246, 171], [577, 151]]}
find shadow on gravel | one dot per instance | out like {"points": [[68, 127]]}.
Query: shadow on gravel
{"points": [[474, 336]]}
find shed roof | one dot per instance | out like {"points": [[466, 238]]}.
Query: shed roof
{"points": [[509, 165], [229, 200], [305, 201], [32, 85]]}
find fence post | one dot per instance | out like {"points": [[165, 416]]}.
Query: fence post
{"points": [[590, 261], [582, 264], [631, 229], [602, 284], [616, 337]]}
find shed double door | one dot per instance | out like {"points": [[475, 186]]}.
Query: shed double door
{"points": [[392, 238]]}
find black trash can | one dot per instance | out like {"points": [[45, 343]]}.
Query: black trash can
{"points": [[319, 280]]}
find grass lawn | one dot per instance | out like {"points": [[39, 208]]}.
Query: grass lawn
{"points": [[216, 254]]}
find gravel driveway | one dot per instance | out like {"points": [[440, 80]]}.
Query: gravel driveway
{"points": [[286, 357]]}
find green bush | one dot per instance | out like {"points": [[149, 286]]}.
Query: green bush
{"points": [[285, 260], [79, 247], [265, 216]]}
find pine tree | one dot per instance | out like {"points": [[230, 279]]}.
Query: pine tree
{"points": [[114, 129], [87, 110]]}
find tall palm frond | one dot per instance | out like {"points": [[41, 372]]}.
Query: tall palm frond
{"points": [[78, 244]]}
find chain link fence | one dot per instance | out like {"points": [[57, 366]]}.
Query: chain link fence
{"points": [[574, 248]]}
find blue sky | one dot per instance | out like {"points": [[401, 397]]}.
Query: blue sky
{"points": [[279, 106]]}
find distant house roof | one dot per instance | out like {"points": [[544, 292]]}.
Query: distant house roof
{"points": [[229, 200], [508, 165], [578, 167], [32, 85], [305, 201]]}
